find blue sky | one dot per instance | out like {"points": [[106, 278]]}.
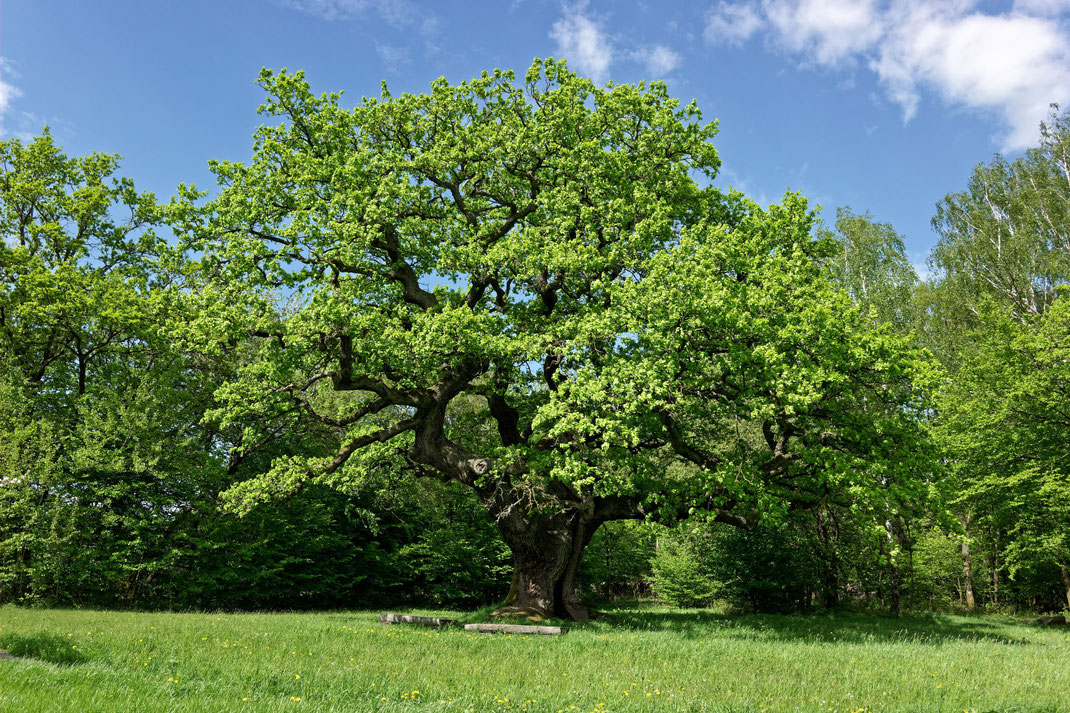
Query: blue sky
{"points": [[883, 105]]}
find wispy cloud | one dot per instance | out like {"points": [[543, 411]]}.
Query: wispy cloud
{"points": [[1014, 63], [417, 23], [399, 13], [394, 57], [658, 60], [583, 43], [582, 39], [732, 24], [8, 91]]}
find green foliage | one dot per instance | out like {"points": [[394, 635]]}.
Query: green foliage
{"points": [[934, 581], [998, 317], [1005, 424], [870, 262], [618, 559], [110, 475], [513, 296], [1006, 238], [75, 263], [773, 568], [682, 576]]}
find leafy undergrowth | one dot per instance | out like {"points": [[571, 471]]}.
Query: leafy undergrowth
{"points": [[648, 659]]}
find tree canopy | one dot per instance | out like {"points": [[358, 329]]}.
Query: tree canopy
{"points": [[522, 287]]}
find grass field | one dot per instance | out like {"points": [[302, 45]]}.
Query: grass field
{"points": [[648, 659]]}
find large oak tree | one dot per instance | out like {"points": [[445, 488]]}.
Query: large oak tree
{"points": [[524, 287]]}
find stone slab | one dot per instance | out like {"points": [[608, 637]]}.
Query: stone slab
{"points": [[409, 619], [516, 629]]}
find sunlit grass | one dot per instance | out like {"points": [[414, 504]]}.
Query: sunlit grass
{"points": [[636, 660]]}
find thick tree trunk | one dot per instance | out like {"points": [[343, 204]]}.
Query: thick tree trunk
{"points": [[545, 578], [1066, 583], [547, 549]]}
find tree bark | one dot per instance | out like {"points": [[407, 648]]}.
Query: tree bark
{"points": [[1066, 583], [514, 586], [995, 576], [967, 566], [81, 374], [967, 576], [547, 537], [893, 567], [893, 571], [547, 550], [830, 597]]}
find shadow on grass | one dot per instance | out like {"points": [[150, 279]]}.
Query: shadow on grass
{"points": [[932, 629], [824, 627], [43, 647]]}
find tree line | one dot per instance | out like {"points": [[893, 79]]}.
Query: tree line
{"points": [[499, 338]]}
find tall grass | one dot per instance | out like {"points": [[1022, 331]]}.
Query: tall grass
{"points": [[634, 660]]}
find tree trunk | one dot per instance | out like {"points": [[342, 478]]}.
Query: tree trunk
{"points": [[893, 566], [547, 549], [81, 374], [893, 571], [967, 566], [830, 596], [995, 577], [514, 586], [1066, 583], [967, 576]]}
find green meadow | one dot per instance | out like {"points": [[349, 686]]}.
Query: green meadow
{"points": [[635, 659]]}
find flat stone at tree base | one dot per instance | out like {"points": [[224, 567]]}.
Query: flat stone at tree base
{"points": [[409, 619], [6, 655], [516, 629], [1058, 620]]}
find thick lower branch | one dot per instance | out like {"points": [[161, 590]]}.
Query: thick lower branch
{"points": [[356, 444]]}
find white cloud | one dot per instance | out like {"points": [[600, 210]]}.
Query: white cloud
{"points": [[828, 31], [395, 12], [1014, 63], [658, 60], [583, 43], [8, 91], [732, 24]]}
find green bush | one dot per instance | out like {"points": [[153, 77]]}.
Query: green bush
{"points": [[681, 570], [774, 567]]}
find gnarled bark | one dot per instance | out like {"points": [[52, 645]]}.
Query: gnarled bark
{"points": [[547, 548]]}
